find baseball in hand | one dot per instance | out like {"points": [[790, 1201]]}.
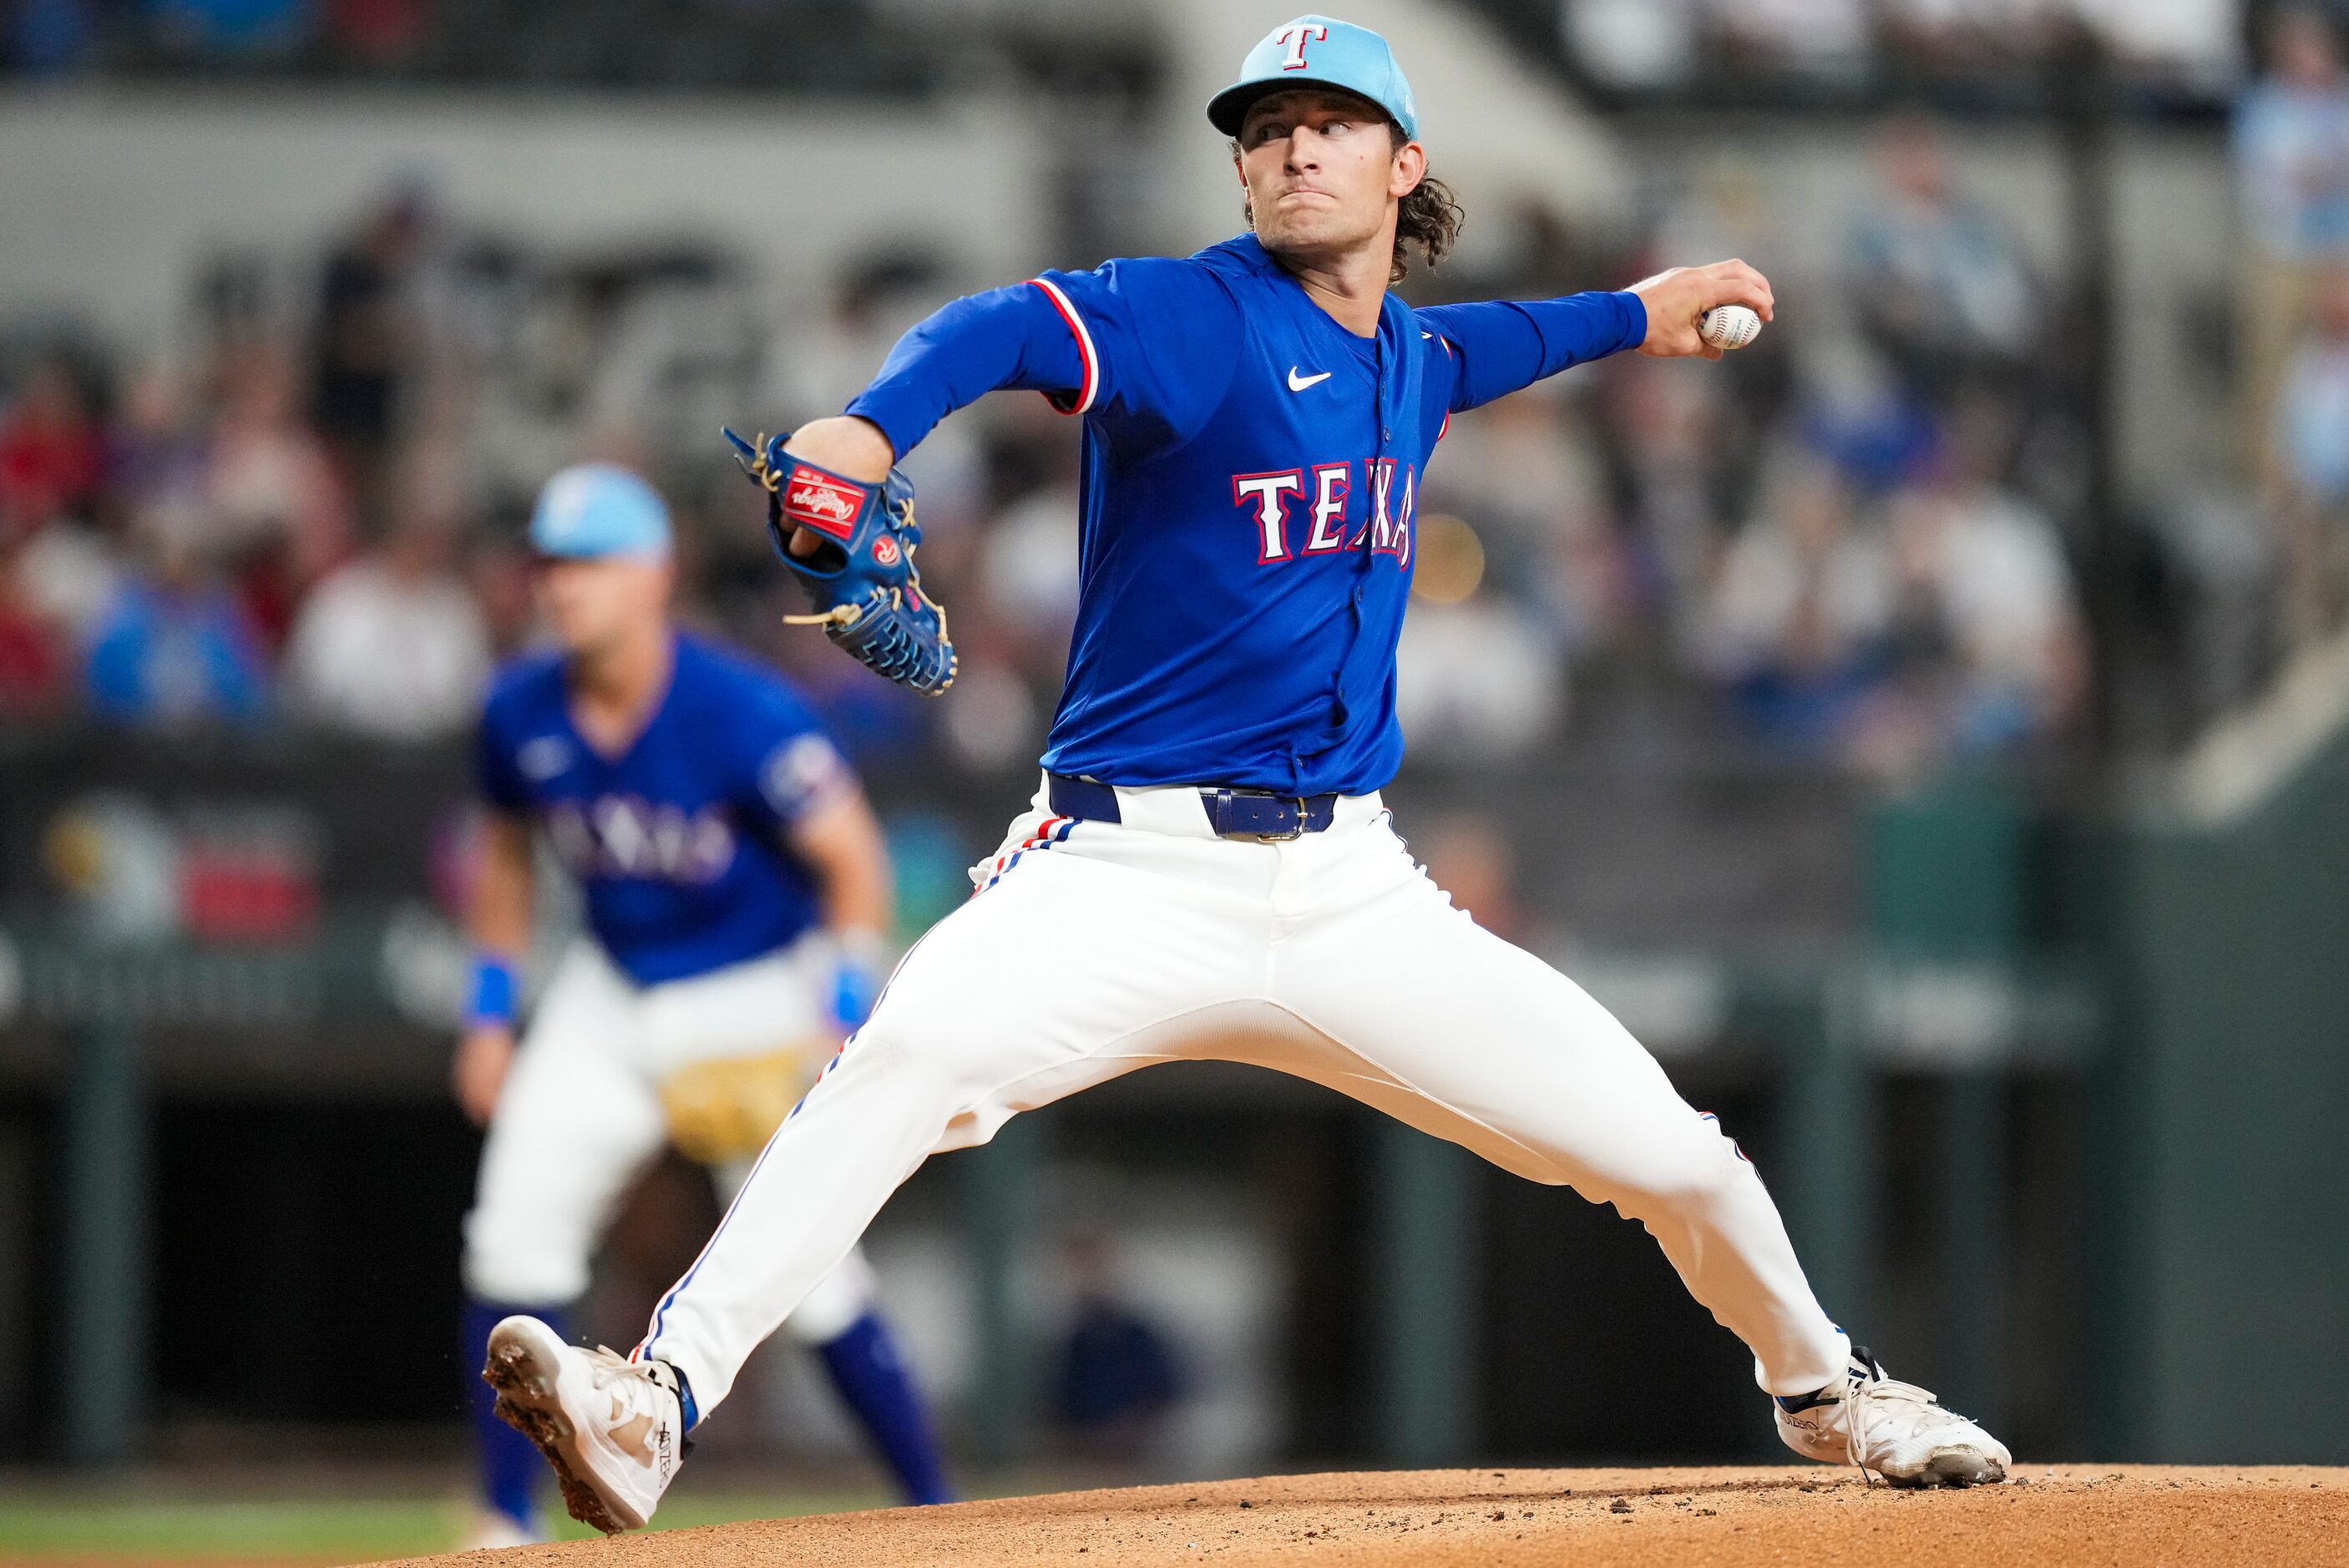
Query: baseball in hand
{"points": [[1730, 327]]}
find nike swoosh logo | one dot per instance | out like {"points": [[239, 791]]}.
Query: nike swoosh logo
{"points": [[1300, 382]]}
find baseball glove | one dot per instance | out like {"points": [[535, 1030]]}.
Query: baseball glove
{"points": [[725, 1109], [861, 578]]}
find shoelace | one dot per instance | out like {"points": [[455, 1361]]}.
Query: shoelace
{"points": [[610, 1364], [1860, 1399]]}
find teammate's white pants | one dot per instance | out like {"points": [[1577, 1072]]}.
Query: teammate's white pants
{"points": [[1093, 948], [580, 1117]]}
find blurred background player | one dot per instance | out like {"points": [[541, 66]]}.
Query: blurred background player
{"points": [[738, 890]]}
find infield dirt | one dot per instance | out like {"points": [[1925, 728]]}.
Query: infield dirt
{"points": [[2064, 1516]]}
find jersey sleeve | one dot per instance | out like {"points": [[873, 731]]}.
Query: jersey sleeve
{"points": [[1495, 348], [1155, 336], [1134, 342], [1007, 338], [790, 766]]}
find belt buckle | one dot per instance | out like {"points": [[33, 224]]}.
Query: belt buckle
{"points": [[1295, 832]]}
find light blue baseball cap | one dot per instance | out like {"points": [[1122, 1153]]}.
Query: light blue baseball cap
{"points": [[593, 509], [1318, 51]]}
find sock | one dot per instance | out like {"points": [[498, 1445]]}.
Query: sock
{"points": [[1829, 1393], [871, 1376], [511, 1465]]}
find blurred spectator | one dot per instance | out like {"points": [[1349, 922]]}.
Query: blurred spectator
{"points": [[2291, 143], [1989, 604], [69, 574], [50, 452], [1475, 679], [1829, 40], [33, 663], [1668, 429], [366, 341], [1857, 413], [1801, 617], [2311, 464], [1117, 1374], [378, 30], [176, 648], [392, 645], [275, 503], [2292, 174], [1634, 44], [150, 451], [232, 27], [1939, 283]]}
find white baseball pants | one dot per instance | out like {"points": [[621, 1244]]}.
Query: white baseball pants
{"points": [[1094, 948], [580, 1118]]}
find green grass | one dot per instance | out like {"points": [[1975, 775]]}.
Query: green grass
{"points": [[71, 1522]]}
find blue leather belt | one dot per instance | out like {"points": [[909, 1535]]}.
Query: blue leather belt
{"points": [[1233, 813]]}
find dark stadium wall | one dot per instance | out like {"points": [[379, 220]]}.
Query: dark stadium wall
{"points": [[2230, 1193]]}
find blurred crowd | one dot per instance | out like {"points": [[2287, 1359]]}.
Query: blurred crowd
{"points": [[2184, 48], [1850, 536], [311, 513], [1856, 545], [684, 43], [2189, 47]]}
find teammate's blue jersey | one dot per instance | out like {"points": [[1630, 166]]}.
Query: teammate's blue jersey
{"points": [[1251, 476], [679, 841]]}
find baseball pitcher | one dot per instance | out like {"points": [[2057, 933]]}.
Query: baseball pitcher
{"points": [[1207, 870]]}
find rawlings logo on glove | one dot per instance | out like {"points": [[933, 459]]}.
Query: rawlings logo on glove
{"points": [[821, 501], [861, 579]]}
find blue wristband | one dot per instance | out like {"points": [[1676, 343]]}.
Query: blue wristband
{"points": [[492, 999], [855, 988]]}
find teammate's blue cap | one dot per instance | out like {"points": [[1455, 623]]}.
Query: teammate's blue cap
{"points": [[594, 509], [1318, 51]]}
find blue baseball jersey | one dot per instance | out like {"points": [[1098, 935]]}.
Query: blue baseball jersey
{"points": [[679, 841], [1251, 473]]}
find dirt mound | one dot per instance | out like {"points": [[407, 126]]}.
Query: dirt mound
{"points": [[2067, 1516]]}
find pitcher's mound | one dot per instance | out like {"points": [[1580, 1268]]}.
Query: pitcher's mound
{"points": [[2112, 1516]]}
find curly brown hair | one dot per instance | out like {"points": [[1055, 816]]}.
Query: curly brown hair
{"points": [[1429, 217]]}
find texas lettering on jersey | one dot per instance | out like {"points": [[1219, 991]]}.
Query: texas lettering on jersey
{"points": [[1266, 498], [629, 836]]}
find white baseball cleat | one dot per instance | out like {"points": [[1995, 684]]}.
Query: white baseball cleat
{"points": [[613, 1429], [1896, 1430]]}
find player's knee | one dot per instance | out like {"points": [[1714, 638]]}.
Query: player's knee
{"points": [[1697, 1168], [921, 1047]]}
